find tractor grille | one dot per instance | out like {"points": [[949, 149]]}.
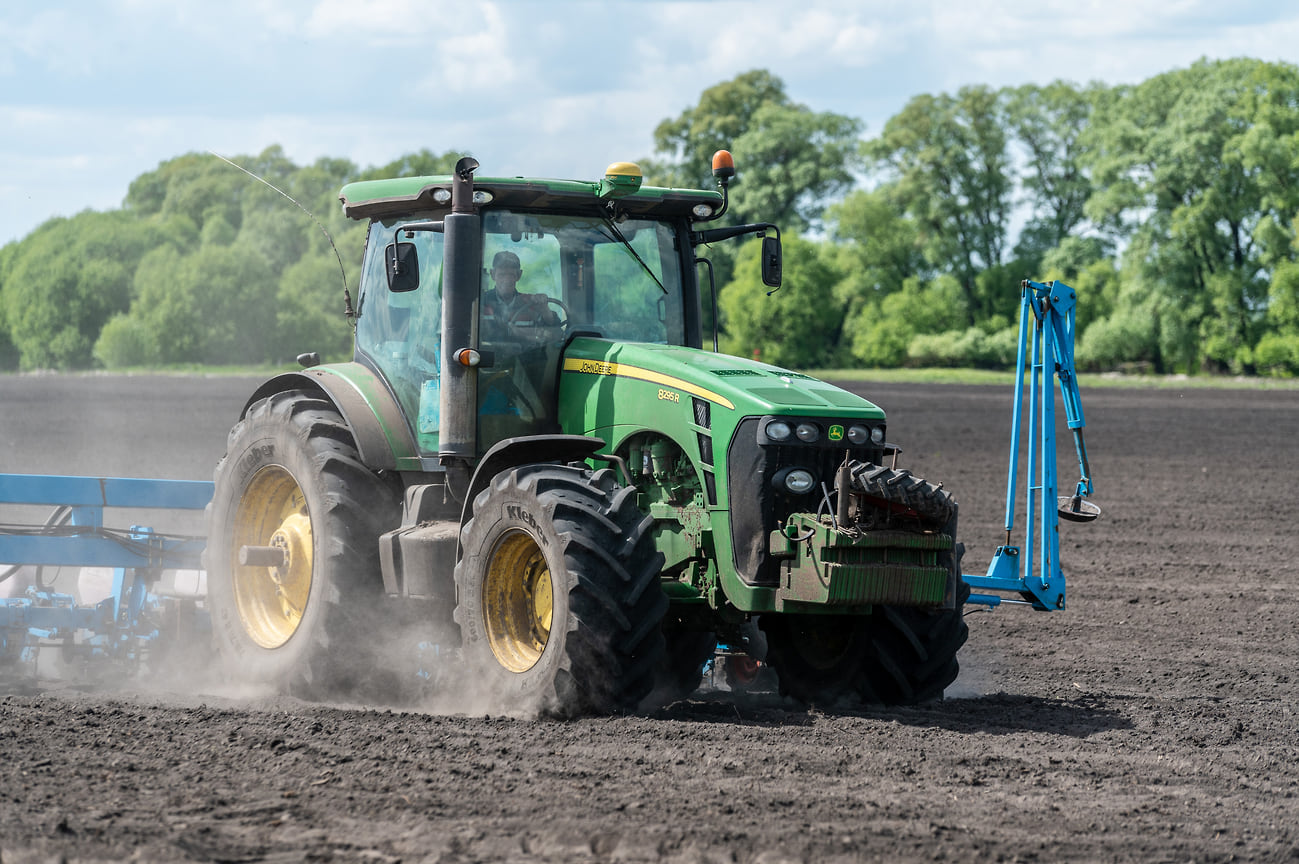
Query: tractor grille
{"points": [[757, 508]]}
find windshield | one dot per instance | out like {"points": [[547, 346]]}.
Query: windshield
{"points": [[580, 272]]}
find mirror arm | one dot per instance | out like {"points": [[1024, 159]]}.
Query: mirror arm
{"points": [[410, 228], [712, 235]]}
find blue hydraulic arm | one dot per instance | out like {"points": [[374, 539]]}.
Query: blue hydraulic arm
{"points": [[1046, 343]]}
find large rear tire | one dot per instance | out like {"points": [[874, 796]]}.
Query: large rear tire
{"points": [[557, 592], [292, 479]]}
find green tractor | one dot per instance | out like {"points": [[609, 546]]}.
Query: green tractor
{"points": [[533, 452]]}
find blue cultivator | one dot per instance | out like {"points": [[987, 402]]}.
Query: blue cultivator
{"points": [[1046, 342], [141, 613]]}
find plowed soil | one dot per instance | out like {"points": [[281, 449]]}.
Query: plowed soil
{"points": [[1153, 720]]}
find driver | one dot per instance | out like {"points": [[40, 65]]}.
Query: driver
{"points": [[505, 304]]}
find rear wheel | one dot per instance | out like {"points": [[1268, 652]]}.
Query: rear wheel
{"points": [[295, 503], [557, 590]]}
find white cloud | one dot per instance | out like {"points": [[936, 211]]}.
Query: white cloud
{"points": [[46, 39], [94, 94]]}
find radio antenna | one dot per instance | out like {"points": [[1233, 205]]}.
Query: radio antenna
{"points": [[347, 295]]}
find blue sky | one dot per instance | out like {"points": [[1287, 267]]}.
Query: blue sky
{"points": [[93, 94]]}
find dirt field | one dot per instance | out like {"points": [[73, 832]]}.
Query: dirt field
{"points": [[1154, 720]]}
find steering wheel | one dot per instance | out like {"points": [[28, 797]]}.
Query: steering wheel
{"points": [[523, 325]]}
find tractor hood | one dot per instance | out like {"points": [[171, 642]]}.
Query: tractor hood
{"points": [[744, 386]]}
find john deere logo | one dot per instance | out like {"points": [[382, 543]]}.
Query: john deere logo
{"points": [[836, 433]]}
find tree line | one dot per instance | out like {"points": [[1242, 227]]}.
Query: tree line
{"points": [[1170, 205]]}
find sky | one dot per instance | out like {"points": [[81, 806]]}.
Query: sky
{"points": [[94, 94]]}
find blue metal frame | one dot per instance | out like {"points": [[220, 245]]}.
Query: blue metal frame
{"points": [[123, 625], [1046, 336]]}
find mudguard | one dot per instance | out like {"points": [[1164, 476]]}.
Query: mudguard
{"points": [[525, 450], [370, 410]]}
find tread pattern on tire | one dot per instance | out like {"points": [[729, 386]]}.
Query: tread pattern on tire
{"points": [[903, 491], [613, 641], [352, 506]]}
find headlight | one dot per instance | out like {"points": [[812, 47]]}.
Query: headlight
{"points": [[859, 435], [807, 432], [877, 435], [795, 481], [779, 430], [702, 211]]}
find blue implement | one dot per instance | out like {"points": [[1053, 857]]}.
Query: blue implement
{"points": [[130, 622], [1046, 356]]}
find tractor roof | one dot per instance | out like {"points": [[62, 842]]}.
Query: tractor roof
{"points": [[367, 199]]}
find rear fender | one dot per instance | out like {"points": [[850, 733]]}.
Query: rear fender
{"points": [[368, 407]]}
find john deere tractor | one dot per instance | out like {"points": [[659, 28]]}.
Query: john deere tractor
{"points": [[564, 478]]}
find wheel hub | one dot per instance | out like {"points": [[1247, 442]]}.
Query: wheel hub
{"points": [[271, 600], [518, 601]]}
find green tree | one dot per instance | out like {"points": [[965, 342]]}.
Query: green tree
{"points": [[67, 279], [877, 246], [948, 160], [797, 326], [789, 159], [207, 307], [424, 163], [309, 305], [1190, 167], [880, 333], [1049, 123], [721, 116], [9, 356]]}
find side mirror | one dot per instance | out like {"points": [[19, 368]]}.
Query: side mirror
{"points": [[771, 262], [401, 263]]}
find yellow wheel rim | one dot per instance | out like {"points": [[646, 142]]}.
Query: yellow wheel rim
{"points": [[271, 600], [518, 602]]}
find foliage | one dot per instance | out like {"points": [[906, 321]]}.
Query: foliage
{"points": [[1048, 125], [789, 159], [795, 326], [969, 348], [66, 280], [126, 342], [1196, 168], [948, 160], [1170, 205]]}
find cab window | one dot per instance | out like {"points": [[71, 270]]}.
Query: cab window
{"points": [[398, 332]]}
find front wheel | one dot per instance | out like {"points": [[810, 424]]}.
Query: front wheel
{"points": [[895, 655], [557, 592], [293, 548]]}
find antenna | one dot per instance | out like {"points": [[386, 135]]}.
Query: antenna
{"points": [[347, 296]]}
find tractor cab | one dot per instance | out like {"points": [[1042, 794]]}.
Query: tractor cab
{"points": [[548, 261]]}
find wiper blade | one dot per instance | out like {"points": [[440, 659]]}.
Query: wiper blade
{"points": [[620, 238]]}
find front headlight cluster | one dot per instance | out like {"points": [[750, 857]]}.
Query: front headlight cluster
{"points": [[795, 481], [808, 432]]}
